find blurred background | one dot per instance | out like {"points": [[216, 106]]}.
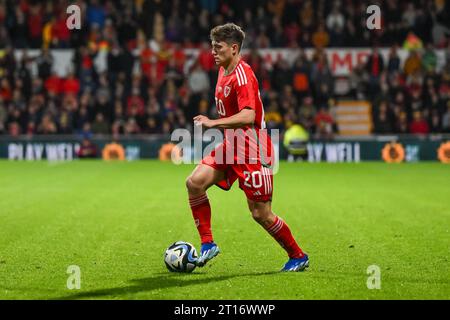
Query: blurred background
{"points": [[137, 70]]}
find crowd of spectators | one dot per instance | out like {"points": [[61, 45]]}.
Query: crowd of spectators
{"points": [[147, 87], [268, 23], [407, 98]]}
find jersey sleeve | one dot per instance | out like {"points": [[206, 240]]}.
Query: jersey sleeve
{"points": [[244, 92]]}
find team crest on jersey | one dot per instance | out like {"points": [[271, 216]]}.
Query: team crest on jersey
{"points": [[226, 91]]}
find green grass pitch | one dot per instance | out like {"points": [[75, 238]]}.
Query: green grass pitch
{"points": [[114, 221]]}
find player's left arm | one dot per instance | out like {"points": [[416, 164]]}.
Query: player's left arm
{"points": [[241, 119]]}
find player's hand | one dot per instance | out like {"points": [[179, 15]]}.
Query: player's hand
{"points": [[203, 121]]}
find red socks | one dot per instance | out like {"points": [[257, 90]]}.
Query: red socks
{"points": [[201, 211], [281, 232]]}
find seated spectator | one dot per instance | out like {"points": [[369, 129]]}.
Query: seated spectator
{"points": [[47, 126], [374, 67], [100, 126], [152, 126], [321, 38], [135, 102], [205, 58], [70, 85], [307, 112], [131, 127], [87, 149], [60, 31], [300, 77], [324, 124], [65, 122], [198, 80], [382, 123], [86, 131], [31, 128], [44, 62], [14, 129], [5, 90], [446, 119], [96, 14], [413, 63], [273, 117], [53, 84], [429, 59], [401, 125], [394, 60], [418, 125], [435, 121]]}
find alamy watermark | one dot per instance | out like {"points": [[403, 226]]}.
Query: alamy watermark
{"points": [[230, 147], [74, 279], [374, 20], [374, 279], [74, 20]]}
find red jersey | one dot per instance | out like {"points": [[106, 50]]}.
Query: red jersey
{"points": [[249, 159], [239, 90], [234, 92]]}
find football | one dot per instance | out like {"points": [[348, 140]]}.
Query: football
{"points": [[180, 257]]}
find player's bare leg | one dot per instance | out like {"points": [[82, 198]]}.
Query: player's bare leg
{"points": [[201, 178], [279, 230], [197, 183]]}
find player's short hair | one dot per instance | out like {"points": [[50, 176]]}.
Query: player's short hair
{"points": [[229, 33]]}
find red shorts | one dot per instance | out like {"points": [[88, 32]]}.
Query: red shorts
{"points": [[255, 179]]}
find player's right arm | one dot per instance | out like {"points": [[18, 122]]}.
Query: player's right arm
{"points": [[245, 117]]}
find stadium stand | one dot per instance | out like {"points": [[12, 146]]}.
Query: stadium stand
{"points": [[152, 83]]}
